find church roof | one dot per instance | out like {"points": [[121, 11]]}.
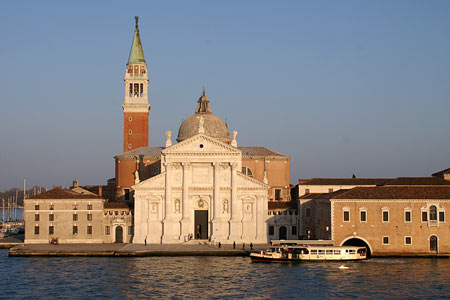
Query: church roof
{"points": [[204, 119], [145, 151], [136, 53], [259, 151], [441, 173]]}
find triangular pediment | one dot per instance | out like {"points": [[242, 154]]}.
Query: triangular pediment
{"points": [[201, 143], [245, 181], [155, 181]]}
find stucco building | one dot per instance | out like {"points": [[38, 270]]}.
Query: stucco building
{"points": [[63, 215], [393, 220]]}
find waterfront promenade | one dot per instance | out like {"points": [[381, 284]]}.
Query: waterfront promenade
{"points": [[191, 249]]}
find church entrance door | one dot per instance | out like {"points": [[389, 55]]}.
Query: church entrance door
{"points": [[119, 234], [201, 224]]}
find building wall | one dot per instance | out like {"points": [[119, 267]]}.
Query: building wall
{"points": [[138, 124], [278, 171], [315, 224], [277, 219], [126, 169], [63, 211], [396, 229], [113, 218]]}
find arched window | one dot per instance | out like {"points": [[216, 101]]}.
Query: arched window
{"points": [[433, 213], [247, 171], [433, 243]]}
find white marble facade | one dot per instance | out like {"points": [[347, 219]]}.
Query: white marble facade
{"points": [[201, 193]]}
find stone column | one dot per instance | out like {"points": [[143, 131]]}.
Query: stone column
{"points": [[167, 232], [185, 220], [215, 204], [235, 221]]}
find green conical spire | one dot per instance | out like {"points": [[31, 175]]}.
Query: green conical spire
{"points": [[136, 53]]}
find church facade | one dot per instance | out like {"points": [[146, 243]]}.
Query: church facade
{"points": [[203, 186]]}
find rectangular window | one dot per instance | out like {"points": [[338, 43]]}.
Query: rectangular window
{"points": [[294, 230], [89, 229], [277, 194], [51, 217], [346, 216], [424, 216], [75, 217], [127, 194], [442, 216], [89, 217], [130, 230], [51, 230], [363, 216], [51, 207], [408, 240], [75, 230], [306, 191], [308, 212], [36, 217], [330, 190], [107, 230], [271, 230], [36, 229], [36, 207], [407, 216], [89, 207], [385, 240], [386, 216]]}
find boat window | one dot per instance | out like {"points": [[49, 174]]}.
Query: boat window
{"points": [[329, 252], [321, 252], [313, 251], [337, 252], [352, 251]]}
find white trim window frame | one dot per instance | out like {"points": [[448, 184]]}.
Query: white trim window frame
{"points": [[405, 211], [383, 211], [361, 211], [410, 240], [383, 240], [346, 210]]}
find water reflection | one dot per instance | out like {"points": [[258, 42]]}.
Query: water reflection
{"points": [[219, 278]]}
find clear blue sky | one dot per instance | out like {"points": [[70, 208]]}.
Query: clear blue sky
{"points": [[343, 87]]}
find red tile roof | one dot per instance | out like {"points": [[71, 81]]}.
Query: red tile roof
{"points": [[323, 195], [59, 193], [418, 181], [345, 181], [111, 205], [281, 205], [397, 192]]}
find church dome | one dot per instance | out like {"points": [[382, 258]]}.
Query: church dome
{"points": [[212, 125]]}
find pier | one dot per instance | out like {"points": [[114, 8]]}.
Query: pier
{"points": [[131, 250]]}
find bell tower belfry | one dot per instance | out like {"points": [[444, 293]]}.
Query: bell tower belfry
{"points": [[136, 106]]}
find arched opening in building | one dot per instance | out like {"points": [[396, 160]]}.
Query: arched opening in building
{"points": [[119, 234], [433, 213], [283, 233], [358, 243], [433, 244]]}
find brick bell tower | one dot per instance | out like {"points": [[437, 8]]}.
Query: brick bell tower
{"points": [[135, 106]]}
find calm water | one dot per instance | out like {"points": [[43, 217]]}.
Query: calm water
{"points": [[219, 278]]}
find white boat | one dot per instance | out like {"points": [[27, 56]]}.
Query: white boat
{"points": [[293, 253]]}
